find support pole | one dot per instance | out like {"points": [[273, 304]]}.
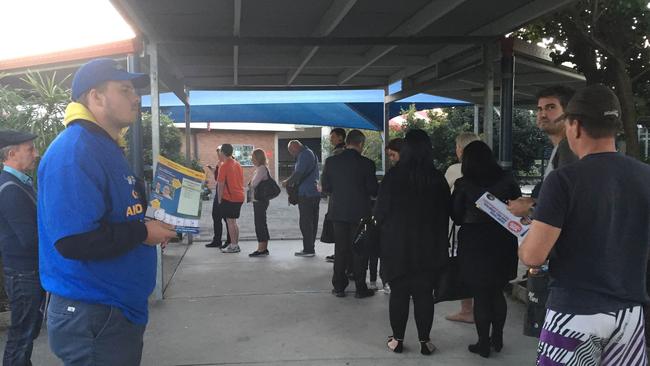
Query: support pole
{"points": [[188, 142], [386, 134], [476, 112], [135, 143], [488, 94], [188, 131], [155, 148], [507, 102]]}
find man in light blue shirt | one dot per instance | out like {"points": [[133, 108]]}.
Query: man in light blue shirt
{"points": [[19, 245]]}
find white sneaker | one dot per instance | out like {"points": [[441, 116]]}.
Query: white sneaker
{"points": [[373, 285], [386, 288], [231, 248]]}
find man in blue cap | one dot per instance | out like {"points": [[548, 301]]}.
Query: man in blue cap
{"points": [[19, 245], [97, 255]]}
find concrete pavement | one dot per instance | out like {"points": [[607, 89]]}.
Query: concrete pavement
{"points": [[229, 309]]}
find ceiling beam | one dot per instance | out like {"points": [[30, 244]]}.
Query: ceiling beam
{"points": [[142, 25], [216, 81], [520, 16], [174, 84], [388, 41], [553, 69], [451, 77], [284, 61], [433, 11], [235, 49], [330, 20]]}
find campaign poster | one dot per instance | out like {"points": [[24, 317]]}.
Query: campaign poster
{"points": [[498, 210], [176, 196]]}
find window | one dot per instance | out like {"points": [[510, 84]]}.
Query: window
{"points": [[243, 154]]}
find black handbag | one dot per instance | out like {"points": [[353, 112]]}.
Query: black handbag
{"points": [[327, 234], [450, 285], [366, 237], [292, 193], [537, 288], [267, 189]]}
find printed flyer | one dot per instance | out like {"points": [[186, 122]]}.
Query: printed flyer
{"points": [[176, 196], [498, 210]]}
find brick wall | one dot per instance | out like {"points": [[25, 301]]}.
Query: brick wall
{"points": [[208, 141]]}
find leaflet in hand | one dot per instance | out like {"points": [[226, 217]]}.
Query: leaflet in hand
{"points": [[498, 210], [176, 196]]}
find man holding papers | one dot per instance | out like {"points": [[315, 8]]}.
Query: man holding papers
{"points": [[97, 255], [594, 215]]}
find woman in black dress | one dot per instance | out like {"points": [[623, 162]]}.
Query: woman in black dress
{"points": [[413, 214], [487, 252]]}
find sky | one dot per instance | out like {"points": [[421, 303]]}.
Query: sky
{"points": [[36, 27]]}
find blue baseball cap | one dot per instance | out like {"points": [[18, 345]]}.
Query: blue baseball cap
{"points": [[99, 70]]}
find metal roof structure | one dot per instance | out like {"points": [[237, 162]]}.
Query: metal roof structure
{"points": [[431, 45]]}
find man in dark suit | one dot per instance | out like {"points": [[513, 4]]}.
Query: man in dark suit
{"points": [[350, 180]]}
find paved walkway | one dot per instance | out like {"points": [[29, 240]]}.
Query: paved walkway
{"points": [[282, 220], [228, 309]]}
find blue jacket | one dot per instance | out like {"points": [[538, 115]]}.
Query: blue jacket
{"points": [[18, 230], [306, 165], [85, 182]]}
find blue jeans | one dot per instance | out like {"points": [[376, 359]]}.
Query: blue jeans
{"points": [[26, 299], [92, 334]]}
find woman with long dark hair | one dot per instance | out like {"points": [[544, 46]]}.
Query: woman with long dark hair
{"points": [[412, 211], [487, 252]]}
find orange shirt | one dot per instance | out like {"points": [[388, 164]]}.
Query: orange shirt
{"points": [[231, 175]]}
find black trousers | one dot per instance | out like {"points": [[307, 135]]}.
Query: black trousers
{"points": [[420, 287], [308, 210], [259, 215], [490, 310], [217, 224], [343, 253], [373, 261]]}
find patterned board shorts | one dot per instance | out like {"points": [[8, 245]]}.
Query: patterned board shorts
{"points": [[606, 339]]}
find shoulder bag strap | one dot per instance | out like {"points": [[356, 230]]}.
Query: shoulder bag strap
{"points": [[7, 184]]}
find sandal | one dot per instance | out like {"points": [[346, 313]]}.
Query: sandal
{"points": [[395, 345]]}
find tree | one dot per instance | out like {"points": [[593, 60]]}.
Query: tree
{"points": [[38, 109], [528, 141], [444, 125], [170, 144], [606, 40], [170, 139]]}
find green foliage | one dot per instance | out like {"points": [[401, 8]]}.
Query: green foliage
{"points": [[38, 109], [373, 147], [194, 164], [606, 40], [444, 126], [170, 140]]}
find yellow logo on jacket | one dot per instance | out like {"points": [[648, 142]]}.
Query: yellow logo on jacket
{"points": [[134, 209]]}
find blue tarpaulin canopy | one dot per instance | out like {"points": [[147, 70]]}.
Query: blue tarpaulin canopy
{"points": [[336, 108]]}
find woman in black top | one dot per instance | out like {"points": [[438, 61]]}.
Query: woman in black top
{"points": [[412, 211], [487, 252]]}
